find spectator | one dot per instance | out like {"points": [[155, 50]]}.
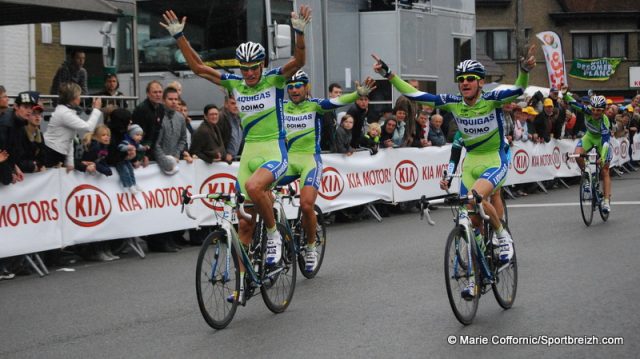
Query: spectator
{"points": [[531, 115], [388, 131], [558, 104], [358, 112], [111, 86], [329, 122], [399, 133], [436, 136], [148, 115], [95, 147], [172, 136], [129, 146], [507, 111], [119, 126], [421, 138], [71, 71], [64, 125], [544, 122], [12, 132], [570, 125], [451, 128], [371, 139], [184, 110], [176, 85], [207, 141], [611, 111], [520, 127], [4, 100], [32, 143], [231, 127], [621, 127], [344, 135]]}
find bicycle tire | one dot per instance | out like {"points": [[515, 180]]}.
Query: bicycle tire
{"points": [[212, 289], [603, 215], [586, 204], [457, 278], [504, 205], [279, 281], [321, 241], [505, 284]]}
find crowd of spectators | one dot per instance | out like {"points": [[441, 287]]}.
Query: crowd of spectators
{"points": [[159, 129]]}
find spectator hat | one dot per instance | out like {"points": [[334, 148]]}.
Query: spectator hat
{"points": [[553, 89], [630, 108], [27, 97], [609, 101], [37, 108], [548, 102], [134, 130], [530, 110], [521, 105]]}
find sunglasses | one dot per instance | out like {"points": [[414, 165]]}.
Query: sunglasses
{"points": [[296, 85], [249, 68], [468, 78]]}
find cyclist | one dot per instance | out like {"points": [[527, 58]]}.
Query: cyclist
{"points": [[479, 118], [598, 136], [303, 121], [260, 98]]}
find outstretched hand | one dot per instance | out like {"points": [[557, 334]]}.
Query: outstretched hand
{"points": [[381, 67], [172, 24], [529, 62], [366, 87], [300, 20]]}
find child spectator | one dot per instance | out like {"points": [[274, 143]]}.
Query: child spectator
{"points": [[96, 150], [343, 135], [371, 139], [436, 136], [131, 147]]}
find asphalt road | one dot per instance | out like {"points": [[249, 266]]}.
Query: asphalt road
{"points": [[379, 294]]}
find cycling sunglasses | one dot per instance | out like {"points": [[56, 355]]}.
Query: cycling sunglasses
{"points": [[251, 67], [296, 85], [468, 78]]}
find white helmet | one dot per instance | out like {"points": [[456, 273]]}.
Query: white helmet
{"points": [[250, 52], [598, 102]]}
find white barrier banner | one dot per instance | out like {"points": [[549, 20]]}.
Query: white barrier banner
{"points": [[635, 148], [540, 161], [95, 207], [361, 178], [620, 148], [417, 172], [30, 215]]}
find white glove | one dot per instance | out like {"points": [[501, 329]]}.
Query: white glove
{"points": [[363, 90], [175, 28], [299, 23]]}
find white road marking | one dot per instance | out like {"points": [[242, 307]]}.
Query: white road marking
{"points": [[535, 205]]}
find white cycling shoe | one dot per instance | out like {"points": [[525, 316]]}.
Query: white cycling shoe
{"points": [[274, 249]]}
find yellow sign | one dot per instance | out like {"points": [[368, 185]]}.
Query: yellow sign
{"points": [[222, 63]]}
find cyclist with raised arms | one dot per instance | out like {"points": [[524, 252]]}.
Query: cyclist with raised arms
{"points": [[480, 121], [259, 95], [303, 122], [598, 136]]}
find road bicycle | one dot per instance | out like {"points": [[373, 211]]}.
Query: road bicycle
{"points": [[217, 271], [591, 196], [296, 228], [467, 260]]}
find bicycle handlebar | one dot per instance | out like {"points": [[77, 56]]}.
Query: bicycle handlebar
{"points": [[451, 199], [226, 197], [580, 155]]}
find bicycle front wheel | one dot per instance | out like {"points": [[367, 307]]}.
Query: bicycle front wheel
{"points": [[279, 281], [457, 275], [321, 241], [586, 199], [216, 280]]}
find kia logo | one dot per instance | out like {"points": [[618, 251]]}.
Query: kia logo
{"points": [[218, 183], [332, 184], [406, 175], [556, 158], [521, 161], [88, 206], [616, 151], [624, 149]]}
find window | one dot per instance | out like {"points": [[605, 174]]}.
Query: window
{"points": [[591, 46], [461, 50], [497, 44]]}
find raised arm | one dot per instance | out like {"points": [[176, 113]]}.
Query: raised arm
{"points": [[365, 89], [175, 27], [298, 22]]}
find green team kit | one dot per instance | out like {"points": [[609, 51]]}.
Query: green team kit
{"points": [[480, 127], [598, 134]]}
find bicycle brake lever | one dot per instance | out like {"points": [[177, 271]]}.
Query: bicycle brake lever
{"points": [[429, 220]]}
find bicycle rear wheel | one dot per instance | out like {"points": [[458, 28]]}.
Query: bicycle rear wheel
{"points": [[456, 273], [506, 275], [279, 281], [321, 240], [586, 200], [216, 280]]}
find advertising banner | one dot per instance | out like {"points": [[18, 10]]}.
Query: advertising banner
{"points": [[554, 57], [594, 69]]}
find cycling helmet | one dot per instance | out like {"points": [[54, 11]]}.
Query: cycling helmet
{"points": [[250, 52], [470, 67], [300, 76], [598, 102]]}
